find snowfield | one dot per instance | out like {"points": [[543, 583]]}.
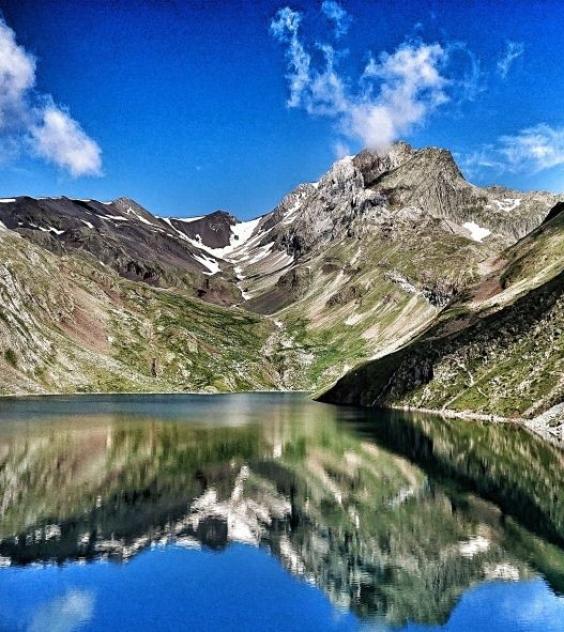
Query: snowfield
{"points": [[477, 233]]}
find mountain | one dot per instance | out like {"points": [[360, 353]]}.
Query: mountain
{"points": [[126, 237], [495, 350], [343, 270]]}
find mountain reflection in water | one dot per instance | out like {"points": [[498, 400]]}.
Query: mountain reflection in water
{"points": [[392, 516]]}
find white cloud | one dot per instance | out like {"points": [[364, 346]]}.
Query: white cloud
{"points": [[32, 121], [60, 139], [537, 148], [513, 50], [335, 12], [64, 614], [17, 77], [285, 27], [395, 92], [532, 149], [411, 86]]}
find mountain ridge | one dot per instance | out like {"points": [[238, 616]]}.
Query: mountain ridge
{"points": [[349, 268]]}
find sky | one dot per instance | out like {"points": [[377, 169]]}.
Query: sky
{"points": [[190, 106]]}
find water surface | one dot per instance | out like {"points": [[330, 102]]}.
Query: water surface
{"points": [[272, 512]]}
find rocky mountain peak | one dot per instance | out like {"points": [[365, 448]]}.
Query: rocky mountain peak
{"points": [[373, 164]]}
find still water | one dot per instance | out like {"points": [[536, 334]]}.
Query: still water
{"points": [[272, 512]]}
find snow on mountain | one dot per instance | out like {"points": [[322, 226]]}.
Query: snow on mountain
{"points": [[210, 264], [477, 233]]}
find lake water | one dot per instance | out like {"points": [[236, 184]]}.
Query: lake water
{"points": [[272, 512]]}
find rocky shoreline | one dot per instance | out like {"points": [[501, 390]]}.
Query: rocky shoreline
{"points": [[549, 425]]}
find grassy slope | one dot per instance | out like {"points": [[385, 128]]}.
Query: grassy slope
{"points": [[353, 310], [70, 324], [498, 350]]}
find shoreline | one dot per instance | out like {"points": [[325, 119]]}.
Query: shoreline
{"points": [[18, 396], [527, 424]]}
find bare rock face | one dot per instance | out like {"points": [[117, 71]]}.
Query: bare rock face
{"points": [[369, 200], [213, 230], [366, 191]]}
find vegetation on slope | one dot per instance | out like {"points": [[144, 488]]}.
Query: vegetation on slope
{"points": [[497, 350], [71, 324]]}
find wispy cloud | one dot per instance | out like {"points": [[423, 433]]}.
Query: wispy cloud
{"points": [[340, 18], [513, 50], [285, 28], [64, 614], [532, 149], [32, 121], [396, 91], [537, 148]]}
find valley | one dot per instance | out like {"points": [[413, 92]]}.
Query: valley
{"points": [[451, 294]]}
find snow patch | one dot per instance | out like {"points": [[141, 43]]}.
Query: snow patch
{"points": [[139, 217], [477, 233], [210, 264], [119, 218], [7, 200], [507, 204], [186, 220], [240, 235], [50, 229]]}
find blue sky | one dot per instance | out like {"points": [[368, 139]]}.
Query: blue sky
{"points": [[189, 106]]}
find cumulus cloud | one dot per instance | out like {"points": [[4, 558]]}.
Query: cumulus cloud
{"points": [[411, 86], [513, 50], [31, 121], [532, 149], [60, 139], [340, 18], [395, 92], [17, 77]]}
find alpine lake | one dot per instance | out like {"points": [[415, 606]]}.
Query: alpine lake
{"points": [[269, 511]]}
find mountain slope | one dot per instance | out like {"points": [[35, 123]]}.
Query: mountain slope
{"points": [[69, 323], [497, 350], [126, 237], [359, 262], [343, 270]]}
